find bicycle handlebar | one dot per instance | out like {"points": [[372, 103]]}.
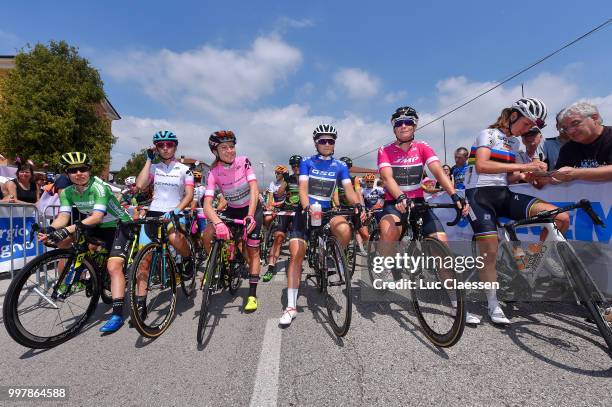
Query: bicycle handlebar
{"points": [[583, 204]]}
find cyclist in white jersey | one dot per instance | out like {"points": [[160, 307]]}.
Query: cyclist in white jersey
{"points": [[491, 167], [172, 188]]}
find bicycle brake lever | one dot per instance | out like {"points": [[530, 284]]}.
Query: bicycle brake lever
{"points": [[585, 204]]}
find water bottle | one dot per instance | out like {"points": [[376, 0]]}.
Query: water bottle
{"points": [[316, 214]]}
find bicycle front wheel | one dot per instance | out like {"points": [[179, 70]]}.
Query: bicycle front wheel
{"points": [[152, 291], [208, 286], [50, 300], [337, 288], [587, 290], [439, 305]]}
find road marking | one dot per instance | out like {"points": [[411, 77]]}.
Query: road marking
{"points": [[265, 391]]}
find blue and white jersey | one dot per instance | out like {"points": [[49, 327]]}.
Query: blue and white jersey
{"points": [[323, 174]]}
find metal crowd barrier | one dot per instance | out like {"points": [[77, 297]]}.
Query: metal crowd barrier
{"points": [[18, 234]]}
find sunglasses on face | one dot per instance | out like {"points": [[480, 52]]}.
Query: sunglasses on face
{"points": [[323, 141], [165, 144], [77, 169], [403, 122]]}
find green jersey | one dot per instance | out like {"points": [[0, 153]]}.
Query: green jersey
{"points": [[293, 196], [97, 196]]}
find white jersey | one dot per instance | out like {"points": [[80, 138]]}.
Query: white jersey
{"points": [[169, 182], [504, 149], [198, 194]]}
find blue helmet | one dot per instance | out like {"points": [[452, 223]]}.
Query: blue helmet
{"points": [[164, 135]]}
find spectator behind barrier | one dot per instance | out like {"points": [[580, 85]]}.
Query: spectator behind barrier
{"points": [[552, 146], [588, 154], [460, 167], [22, 188]]}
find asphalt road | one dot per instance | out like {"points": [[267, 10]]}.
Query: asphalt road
{"points": [[547, 356]]}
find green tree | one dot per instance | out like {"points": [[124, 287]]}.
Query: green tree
{"points": [[132, 166], [48, 106]]}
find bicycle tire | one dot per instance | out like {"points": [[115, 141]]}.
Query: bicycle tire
{"points": [[208, 285], [105, 290], [341, 278], [374, 237], [162, 319], [235, 278], [422, 299], [595, 306], [12, 317], [351, 253], [188, 285]]}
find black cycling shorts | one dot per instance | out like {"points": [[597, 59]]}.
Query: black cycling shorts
{"points": [[284, 222], [116, 240], [431, 223], [254, 237], [487, 204]]}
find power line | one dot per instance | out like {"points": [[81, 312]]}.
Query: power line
{"points": [[507, 79]]}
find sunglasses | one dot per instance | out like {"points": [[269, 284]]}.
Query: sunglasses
{"points": [[74, 170], [165, 144], [403, 122], [323, 141]]}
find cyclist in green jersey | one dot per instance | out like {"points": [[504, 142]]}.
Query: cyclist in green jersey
{"points": [[340, 199], [94, 199], [291, 202]]}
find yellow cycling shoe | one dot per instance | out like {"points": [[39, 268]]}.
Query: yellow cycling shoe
{"points": [[251, 304]]}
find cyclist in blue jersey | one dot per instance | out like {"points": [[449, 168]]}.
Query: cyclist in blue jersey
{"points": [[320, 174]]}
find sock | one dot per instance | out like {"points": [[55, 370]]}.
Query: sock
{"points": [[253, 286], [492, 298], [292, 297], [118, 306]]}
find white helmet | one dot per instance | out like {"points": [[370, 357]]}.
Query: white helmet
{"points": [[324, 129], [533, 109], [129, 181]]}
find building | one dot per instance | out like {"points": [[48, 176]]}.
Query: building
{"points": [[105, 109]]}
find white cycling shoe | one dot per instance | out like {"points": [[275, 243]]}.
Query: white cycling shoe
{"points": [[497, 316], [288, 315], [471, 319]]}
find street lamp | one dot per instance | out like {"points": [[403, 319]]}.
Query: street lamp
{"points": [[263, 174]]}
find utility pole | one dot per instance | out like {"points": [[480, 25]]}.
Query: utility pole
{"points": [[444, 131]]}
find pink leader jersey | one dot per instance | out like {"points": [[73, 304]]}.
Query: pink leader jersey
{"points": [[407, 166], [233, 181]]}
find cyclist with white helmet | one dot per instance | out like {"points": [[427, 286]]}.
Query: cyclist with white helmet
{"points": [[132, 197], [236, 179], [172, 192], [319, 176], [491, 167]]}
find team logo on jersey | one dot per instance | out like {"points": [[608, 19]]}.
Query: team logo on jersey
{"points": [[323, 173]]}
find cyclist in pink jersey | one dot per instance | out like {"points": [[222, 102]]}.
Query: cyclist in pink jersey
{"points": [[238, 184], [401, 165]]}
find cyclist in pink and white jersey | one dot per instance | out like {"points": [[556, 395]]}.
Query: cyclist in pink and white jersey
{"points": [[236, 179], [401, 165]]}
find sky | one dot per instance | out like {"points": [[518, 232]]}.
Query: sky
{"points": [[271, 71]]}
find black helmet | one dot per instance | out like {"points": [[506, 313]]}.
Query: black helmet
{"points": [[404, 112], [295, 160], [347, 161], [221, 136]]}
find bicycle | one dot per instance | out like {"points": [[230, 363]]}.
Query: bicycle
{"points": [[153, 288], [226, 268], [66, 294], [519, 285], [331, 273], [437, 301]]}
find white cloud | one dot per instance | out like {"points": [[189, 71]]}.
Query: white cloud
{"points": [[357, 83], [287, 22], [208, 76], [393, 97]]}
